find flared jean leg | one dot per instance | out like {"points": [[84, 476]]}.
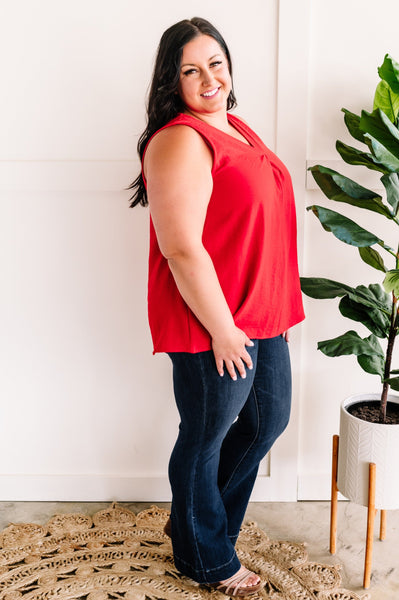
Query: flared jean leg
{"points": [[208, 405], [261, 421], [226, 428]]}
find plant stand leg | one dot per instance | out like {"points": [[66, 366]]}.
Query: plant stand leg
{"points": [[334, 496], [383, 525], [370, 527]]}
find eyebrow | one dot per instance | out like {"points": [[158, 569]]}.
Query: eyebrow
{"points": [[193, 65]]}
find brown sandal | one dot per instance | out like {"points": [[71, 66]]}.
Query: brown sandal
{"points": [[233, 586]]}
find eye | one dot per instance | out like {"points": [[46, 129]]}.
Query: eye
{"points": [[189, 71], [216, 63]]}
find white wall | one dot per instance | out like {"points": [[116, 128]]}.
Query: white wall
{"points": [[86, 411]]}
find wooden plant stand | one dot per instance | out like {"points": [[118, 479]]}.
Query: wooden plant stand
{"points": [[371, 513]]}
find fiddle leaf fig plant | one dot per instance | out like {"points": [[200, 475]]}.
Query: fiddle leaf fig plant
{"points": [[376, 306]]}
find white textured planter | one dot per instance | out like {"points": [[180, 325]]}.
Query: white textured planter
{"points": [[361, 443]]}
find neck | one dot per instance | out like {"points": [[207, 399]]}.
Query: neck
{"points": [[218, 120]]}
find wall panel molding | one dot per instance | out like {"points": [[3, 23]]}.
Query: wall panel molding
{"points": [[67, 175], [291, 137]]}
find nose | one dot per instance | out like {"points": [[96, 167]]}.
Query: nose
{"points": [[207, 77]]}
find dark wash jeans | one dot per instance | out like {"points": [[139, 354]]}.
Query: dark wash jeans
{"points": [[226, 428]]}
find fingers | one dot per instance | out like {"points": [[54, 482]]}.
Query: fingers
{"points": [[231, 355], [231, 370], [247, 358], [219, 366], [233, 367], [248, 341], [238, 365], [286, 335]]}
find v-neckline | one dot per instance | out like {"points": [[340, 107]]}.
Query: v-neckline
{"points": [[248, 143], [239, 130]]}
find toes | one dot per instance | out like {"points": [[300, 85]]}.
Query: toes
{"points": [[254, 579], [247, 579]]}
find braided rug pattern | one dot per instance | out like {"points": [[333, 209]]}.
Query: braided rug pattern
{"points": [[117, 555]]}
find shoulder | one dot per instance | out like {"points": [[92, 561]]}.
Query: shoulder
{"points": [[177, 144]]}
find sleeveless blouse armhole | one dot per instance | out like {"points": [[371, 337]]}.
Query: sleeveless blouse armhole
{"points": [[174, 123], [212, 151], [206, 141]]}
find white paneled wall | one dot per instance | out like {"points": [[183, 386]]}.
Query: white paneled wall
{"points": [[86, 412]]}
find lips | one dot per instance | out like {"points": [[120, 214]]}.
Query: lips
{"points": [[210, 93]]}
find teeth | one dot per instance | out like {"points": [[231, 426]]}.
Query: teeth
{"points": [[211, 93]]}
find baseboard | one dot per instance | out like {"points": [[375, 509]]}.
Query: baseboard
{"points": [[100, 488], [83, 488]]}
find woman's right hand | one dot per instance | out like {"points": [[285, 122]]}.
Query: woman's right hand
{"points": [[229, 349]]}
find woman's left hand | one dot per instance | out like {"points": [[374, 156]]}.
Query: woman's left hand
{"points": [[286, 335]]}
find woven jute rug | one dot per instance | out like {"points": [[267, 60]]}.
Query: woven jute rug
{"points": [[117, 555]]}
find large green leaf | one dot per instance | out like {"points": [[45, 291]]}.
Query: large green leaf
{"points": [[342, 189], [352, 156], [394, 383], [352, 122], [389, 72], [375, 320], [321, 289], [373, 258], [391, 282], [376, 346], [378, 126], [382, 156], [372, 364], [391, 184], [351, 343], [386, 99], [380, 295], [343, 228]]}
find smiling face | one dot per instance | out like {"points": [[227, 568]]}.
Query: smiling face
{"points": [[205, 81]]}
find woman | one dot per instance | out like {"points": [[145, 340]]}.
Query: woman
{"points": [[223, 291]]}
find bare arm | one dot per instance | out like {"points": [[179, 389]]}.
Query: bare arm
{"points": [[178, 171]]}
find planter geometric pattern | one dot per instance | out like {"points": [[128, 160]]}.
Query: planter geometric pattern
{"points": [[361, 443]]}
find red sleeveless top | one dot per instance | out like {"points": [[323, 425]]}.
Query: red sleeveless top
{"points": [[250, 234]]}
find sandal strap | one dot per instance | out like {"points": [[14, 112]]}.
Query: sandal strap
{"points": [[233, 585]]}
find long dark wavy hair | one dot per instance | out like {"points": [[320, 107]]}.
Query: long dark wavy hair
{"points": [[163, 102]]}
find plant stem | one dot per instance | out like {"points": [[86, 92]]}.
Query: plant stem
{"points": [[388, 358], [393, 328], [388, 249], [387, 370]]}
